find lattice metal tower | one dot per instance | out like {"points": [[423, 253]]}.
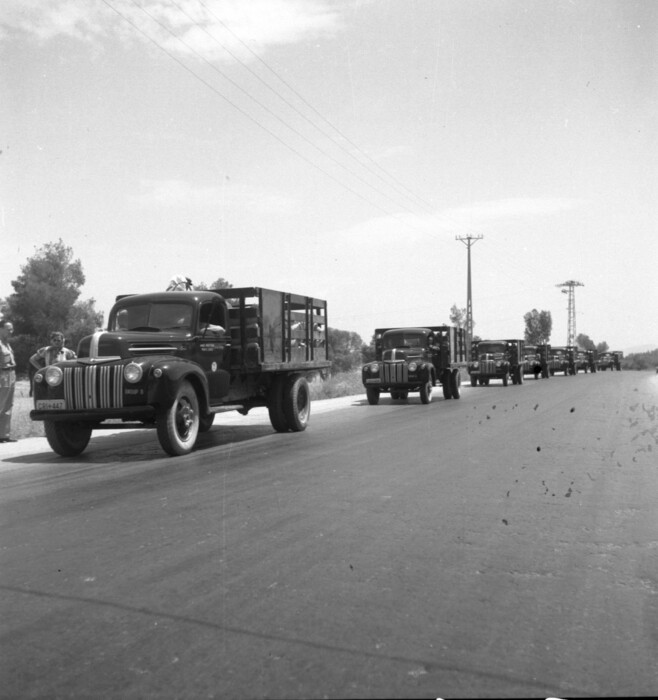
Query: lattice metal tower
{"points": [[469, 241], [568, 288]]}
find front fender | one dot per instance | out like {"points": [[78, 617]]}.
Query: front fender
{"points": [[166, 375]]}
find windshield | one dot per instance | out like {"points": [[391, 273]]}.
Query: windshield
{"points": [[402, 340], [492, 348], [153, 317]]}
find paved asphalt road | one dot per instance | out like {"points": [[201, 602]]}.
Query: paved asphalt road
{"points": [[505, 544]]}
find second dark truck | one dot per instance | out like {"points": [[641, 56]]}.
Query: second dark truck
{"points": [[415, 359]]}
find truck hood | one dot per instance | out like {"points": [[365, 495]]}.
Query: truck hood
{"points": [[104, 346]]}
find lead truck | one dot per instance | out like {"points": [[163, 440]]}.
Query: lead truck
{"points": [[415, 359], [173, 360]]}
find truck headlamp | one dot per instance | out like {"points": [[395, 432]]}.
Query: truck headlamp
{"points": [[413, 366], [54, 375], [374, 368], [132, 372]]}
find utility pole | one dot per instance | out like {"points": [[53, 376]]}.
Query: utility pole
{"points": [[568, 288], [469, 241]]}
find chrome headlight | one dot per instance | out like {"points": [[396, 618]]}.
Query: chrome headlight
{"points": [[413, 366], [374, 368], [54, 375], [132, 372]]}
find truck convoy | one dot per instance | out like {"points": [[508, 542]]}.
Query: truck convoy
{"points": [[415, 359], [497, 359], [173, 360]]}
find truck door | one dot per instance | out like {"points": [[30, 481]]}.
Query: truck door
{"points": [[213, 347]]}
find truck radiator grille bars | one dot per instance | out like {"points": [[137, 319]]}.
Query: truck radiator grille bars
{"points": [[488, 366], [97, 386], [395, 372]]}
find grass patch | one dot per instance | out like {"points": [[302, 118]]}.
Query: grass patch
{"points": [[342, 384], [22, 426]]}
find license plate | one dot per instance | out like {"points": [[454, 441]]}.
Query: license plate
{"points": [[51, 405]]}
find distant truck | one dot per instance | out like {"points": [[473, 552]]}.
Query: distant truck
{"points": [[415, 359], [606, 361], [536, 360], [617, 356], [173, 360], [563, 359], [497, 359], [582, 361]]}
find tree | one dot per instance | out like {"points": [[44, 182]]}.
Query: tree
{"points": [[45, 299], [458, 316], [46, 290], [219, 283], [602, 347], [538, 327], [345, 349], [585, 342]]}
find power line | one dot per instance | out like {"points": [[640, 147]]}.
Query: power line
{"points": [[260, 104], [251, 118], [396, 183]]}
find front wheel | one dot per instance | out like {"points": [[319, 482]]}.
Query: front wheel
{"points": [[455, 383], [474, 381], [297, 403], [426, 392], [178, 425], [372, 395], [67, 439]]}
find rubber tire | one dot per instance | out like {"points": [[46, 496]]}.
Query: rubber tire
{"points": [[395, 395], [205, 422], [297, 403], [455, 383], [474, 381], [178, 425], [505, 379], [67, 439], [275, 406], [519, 375], [404, 395], [373, 396], [426, 392]]}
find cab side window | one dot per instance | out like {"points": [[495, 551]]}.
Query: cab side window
{"points": [[211, 321]]}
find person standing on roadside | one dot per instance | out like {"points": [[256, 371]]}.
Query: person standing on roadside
{"points": [[55, 352], [7, 380]]}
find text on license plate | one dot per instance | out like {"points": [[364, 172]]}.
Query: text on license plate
{"points": [[51, 405]]}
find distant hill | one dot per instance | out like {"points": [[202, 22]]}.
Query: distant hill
{"points": [[641, 348]]}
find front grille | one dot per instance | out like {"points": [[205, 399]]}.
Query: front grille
{"points": [[487, 366], [96, 386], [395, 373]]}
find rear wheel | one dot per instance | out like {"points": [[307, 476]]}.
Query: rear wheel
{"points": [[297, 403], [505, 379], [373, 396], [67, 439], [474, 381], [275, 406], [178, 425]]}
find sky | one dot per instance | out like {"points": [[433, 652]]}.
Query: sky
{"points": [[341, 149]]}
